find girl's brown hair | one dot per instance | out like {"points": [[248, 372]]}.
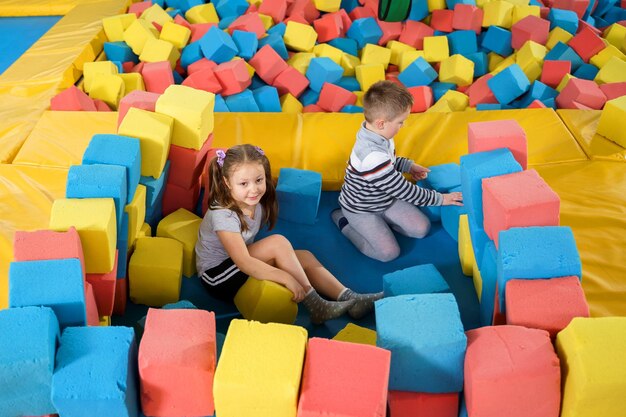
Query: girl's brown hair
{"points": [[219, 196]]}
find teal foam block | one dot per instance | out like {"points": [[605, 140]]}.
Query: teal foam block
{"points": [[230, 8], [509, 84], [489, 274], [267, 100], [27, 352], [120, 51], [298, 192], [323, 70], [217, 46], [277, 43], [479, 240], [463, 42], [563, 52], [155, 187], [122, 248], [498, 40], [96, 370], [242, 102], [419, 279], [365, 31], [535, 253], [347, 45], [481, 63], [450, 217], [57, 284], [444, 177], [190, 54], [246, 42], [418, 73], [425, 336], [565, 19]]}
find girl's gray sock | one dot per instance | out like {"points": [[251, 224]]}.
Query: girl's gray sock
{"points": [[322, 310]]}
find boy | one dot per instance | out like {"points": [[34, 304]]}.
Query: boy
{"points": [[375, 195]]}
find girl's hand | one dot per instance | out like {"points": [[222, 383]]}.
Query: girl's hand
{"points": [[418, 172], [452, 199], [297, 289]]}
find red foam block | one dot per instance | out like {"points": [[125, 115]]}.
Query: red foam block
{"points": [[312, 108], [613, 90], [249, 22], [422, 98], [579, 92], [410, 404], [277, 9], [291, 81], [391, 31], [198, 30], [328, 27], [121, 295], [139, 8], [104, 289], [233, 76], [72, 99], [441, 20], [267, 64], [157, 76], [467, 17], [361, 13], [333, 98], [486, 136], [536, 104], [554, 71], [176, 197], [90, 305], [204, 79], [304, 8], [480, 93], [186, 164], [201, 64], [139, 99], [101, 105], [414, 33], [178, 19], [586, 43], [530, 28], [577, 6]]}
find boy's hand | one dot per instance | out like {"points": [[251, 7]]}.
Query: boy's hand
{"points": [[452, 199], [418, 172]]}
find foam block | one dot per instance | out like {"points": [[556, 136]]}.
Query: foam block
{"points": [[328, 364], [611, 118], [175, 34], [356, 334], [203, 79], [364, 31], [267, 64], [157, 50], [457, 70], [90, 306], [323, 70], [418, 73], [467, 17], [466, 250], [565, 19], [444, 177], [436, 48], [450, 217], [530, 28], [138, 33], [114, 26], [300, 37], [487, 136], [408, 404], [480, 93], [182, 226], [419, 279], [62, 289], [267, 99], [218, 46], [72, 99], [273, 355], [430, 344], [92, 70], [247, 23], [139, 99], [202, 13], [333, 98], [291, 81], [157, 76], [554, 71], [233, 76], [422, 98], [27, 353], [414, 33], [177, 359], [186, 164], [103, 287], [525, 359], [509, 84], [298, 192], [136, 211], [498, 13], [175, 197], [586, 43], [517, 200], [266, 302], [367, 75], [578, 91], [96, 365]]}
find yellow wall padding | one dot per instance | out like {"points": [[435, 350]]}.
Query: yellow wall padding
{"points": [[18, 8], [583, 125], [26, 196]]}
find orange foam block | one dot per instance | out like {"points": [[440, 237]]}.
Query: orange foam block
{"points": [[90, 306], [177, 358], [554, 71], [176, 197], [520, 199], [613, 90], [72, 99], [233, 76], [480, 93], [486, 136], [157, 76], [422, 98], [290, 80], [581, 92], [511, 371], [267, 64], [104, 289], [140, 99], [332, 382], [333, 98], [186, 164], [530, 28], [423, 404], [586, 43], [547, 304]]}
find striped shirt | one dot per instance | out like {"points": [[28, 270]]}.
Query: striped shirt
{"points": [[374, 179]]}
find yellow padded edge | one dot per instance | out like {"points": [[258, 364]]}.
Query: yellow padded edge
{"points": [[17, 8], [583, 125]]}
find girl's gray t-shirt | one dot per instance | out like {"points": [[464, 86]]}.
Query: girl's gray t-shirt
{"points": [[209, 250]]}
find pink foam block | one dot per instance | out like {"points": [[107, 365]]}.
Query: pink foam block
{"points": [[200, 64], [578, 6], [422, 98], [345, 19], [233, 76], [204, 79], [121, 291], [157, 76], [90, 305], [486, 136], [536, 104], [139, 99], [467, 17], [176, 359], [581, 92], [249, 22], [410, 404], [520, 199], [176, 197], [139, 8], [304, 8], [178, 19], [267, 64], [333, 98], [613, 90], [42, 245], [138, 68], [328, 27], [277, 9], [547, 304], [312, 108], [530, 28], [128, 66], [511, 371], [296, 17], [586, 43], [101, 105], [72, 99], [414, 33], [291, 81], [480, 93], [554, 71], [361, 13], [332, 382], [186, 164], [442, 20], [391, 31], [104, 289], [198, 30]]}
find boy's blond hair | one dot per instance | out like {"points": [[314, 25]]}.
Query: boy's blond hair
{"points": [[386, 100]]}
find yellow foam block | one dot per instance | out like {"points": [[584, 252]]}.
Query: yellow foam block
{"points": [[519, 2], [436, 5], [531, 51], [505, 63], [136, 211], [115, 26], [183, 226], [92, 69], [441, 106], [615, 35], [155, 13], [494, 60], [177, 35], [108, 88], [436, 48], [367, 75], [259, 370], [267, 20], [154, 131], [301, 60], [133, 81], [192, 111], [498, 13], [266, 301], [105, 320], [477, 279], [250, 68], [138, 34], [591, 351], [558, 35], [397, 48], [466, 250], [457, 70], [145, 231], [290, 104], [300, 37], [203, 13], [356, 334], [328, 51], [522, 11], [564, 82], [95, 221], [601, 58], [532, 69], [407, 57], [157, 50], [611, 124], [456, 100], [327, 5], [374, 54], [155, 271], [481, 3], [349, 64], [255, 2]]}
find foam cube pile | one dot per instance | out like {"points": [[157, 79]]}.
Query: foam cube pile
{"points": [[319, 56]]}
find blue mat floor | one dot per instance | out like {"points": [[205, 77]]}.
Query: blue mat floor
{"points": [[17, 34], [351, 267]]}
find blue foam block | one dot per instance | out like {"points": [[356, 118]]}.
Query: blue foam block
{"points": [[120, 51], [230, 8], [615, 14], [217, 46], [603, 7], [96, 371], [277, 43], [479, 239], [120, 68], [242, 102], [563, 52], [491, 106], [439, 89], [184, 5], [419, 10], [267, 99], [509, 84], [349, 83], [419, 279], [418, 73], [462, 42], [444, 177], [178, 79], [565, 19], [537, 91], [99, 181], [365, 31], [155, 187], [256, 82], [279, 28], [347, 45], [498, 40], [27, 352], [349, 108], [349, 5], [489, 274], [477, 166], [174, 12], [425, 336], [116, 150], [122, 248], [246, 42], [190, 54], [586, 72], [57, 284], [534, 253], [450, 217], [220, 104], [323, 70], [481, 63], [298, 192], [226, 22], [309, 97]]}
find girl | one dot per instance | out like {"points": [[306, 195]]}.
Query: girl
{"points": [[241, 199]]}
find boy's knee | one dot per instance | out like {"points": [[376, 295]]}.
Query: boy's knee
{"points": [[388, 254], [420, 230]]}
